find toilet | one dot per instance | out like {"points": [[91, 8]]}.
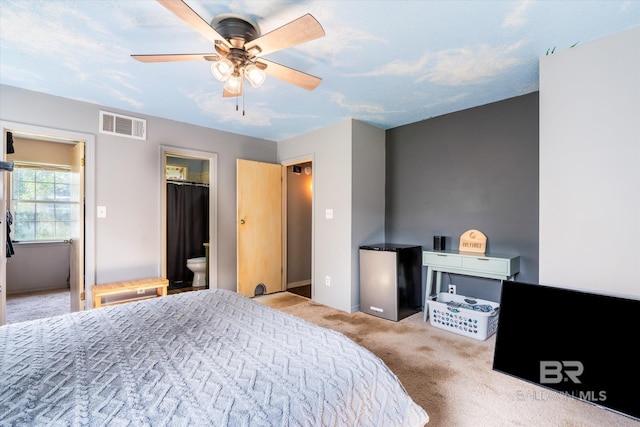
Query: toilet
{"points": [[199, 268]]}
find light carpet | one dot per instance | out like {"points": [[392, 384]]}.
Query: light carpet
{"points": [[37, 305], [450, 375]]}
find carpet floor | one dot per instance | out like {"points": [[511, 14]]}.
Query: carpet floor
{"points": [[36, 305], [449, 375]]}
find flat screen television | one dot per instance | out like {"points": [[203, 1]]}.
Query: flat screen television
{"points": [[581, 344]]}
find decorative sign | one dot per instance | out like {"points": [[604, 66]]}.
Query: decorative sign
{"points": [[176, 173], [473, 241]]}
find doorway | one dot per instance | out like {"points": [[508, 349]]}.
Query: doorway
{"points": [[189, 219], [299, 226], [262, 226], [78, 250]]}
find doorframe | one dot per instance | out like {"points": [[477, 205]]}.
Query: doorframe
{"points": [[168, 150], [62, 136], [286, 163]]}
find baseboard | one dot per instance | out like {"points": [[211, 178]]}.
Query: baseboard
{"points": [[39, 289], [298, 283]]}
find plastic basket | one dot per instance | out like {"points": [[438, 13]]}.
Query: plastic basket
{"points": [[471, 317]]}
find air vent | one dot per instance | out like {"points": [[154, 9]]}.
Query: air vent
{"points": [[118, 124]]}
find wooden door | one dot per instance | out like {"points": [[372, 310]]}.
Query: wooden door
{"points": [[76, 262], [259, 225]]}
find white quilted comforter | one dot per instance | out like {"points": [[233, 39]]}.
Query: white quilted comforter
{"points": [[208, 358]]}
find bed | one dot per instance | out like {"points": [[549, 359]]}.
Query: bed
{"points": [[210, 358]]}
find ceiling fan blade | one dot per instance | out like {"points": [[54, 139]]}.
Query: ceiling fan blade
{"points": [[188, 15], [177, 57], [303, 29], [289, 75]]}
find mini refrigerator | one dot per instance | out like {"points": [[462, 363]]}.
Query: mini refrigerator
{"points": [[390, 280]]}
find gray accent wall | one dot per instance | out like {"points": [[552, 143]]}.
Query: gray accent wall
{"points": [[472, 169]]}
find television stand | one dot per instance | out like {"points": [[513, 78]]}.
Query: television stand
{"points": [[488, 266]]}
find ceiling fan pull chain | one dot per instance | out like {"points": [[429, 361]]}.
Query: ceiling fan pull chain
{"points": [[242, 103]]}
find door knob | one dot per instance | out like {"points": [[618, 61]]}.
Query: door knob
{"points": [[242, 221]]}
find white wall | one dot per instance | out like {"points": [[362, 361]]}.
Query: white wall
{"points": [[52, 272], [589, 166], [331, 151], [128, 180], [368, 196], [336, 240]]}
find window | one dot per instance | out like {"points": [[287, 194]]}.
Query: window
{"points": [[42, 203]]}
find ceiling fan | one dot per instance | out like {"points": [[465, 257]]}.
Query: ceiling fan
{"points": [[240, 46]]}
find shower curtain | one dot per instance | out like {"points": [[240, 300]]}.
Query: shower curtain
{"points": [[187, 229]]}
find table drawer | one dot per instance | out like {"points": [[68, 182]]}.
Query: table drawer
{"points": [[486, 265], [446, 260]]}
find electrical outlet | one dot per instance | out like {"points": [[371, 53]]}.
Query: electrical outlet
{"points": [[327, 280], [452, 289], [140, 291]]}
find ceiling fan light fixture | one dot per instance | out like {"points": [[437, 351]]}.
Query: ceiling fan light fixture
{"points": [[222, 69], [233, 84], [254, 51], [239, 46], [255, 75]]}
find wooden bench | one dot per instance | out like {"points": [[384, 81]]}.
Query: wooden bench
{"points": [[139, 286]]}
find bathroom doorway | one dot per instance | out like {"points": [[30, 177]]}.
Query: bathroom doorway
{"points": [[189, 218], [299, 226]]}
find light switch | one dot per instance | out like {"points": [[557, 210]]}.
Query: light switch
{"points": [[102, 211], [328, 213]]}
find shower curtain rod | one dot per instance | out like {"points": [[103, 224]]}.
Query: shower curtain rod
{"points": [[194, 184]]}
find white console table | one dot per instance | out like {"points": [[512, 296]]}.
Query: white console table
{"points": [[490, 266]]}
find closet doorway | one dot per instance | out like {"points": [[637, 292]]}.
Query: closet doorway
{"points": [[299, 227], [188, 187]]}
